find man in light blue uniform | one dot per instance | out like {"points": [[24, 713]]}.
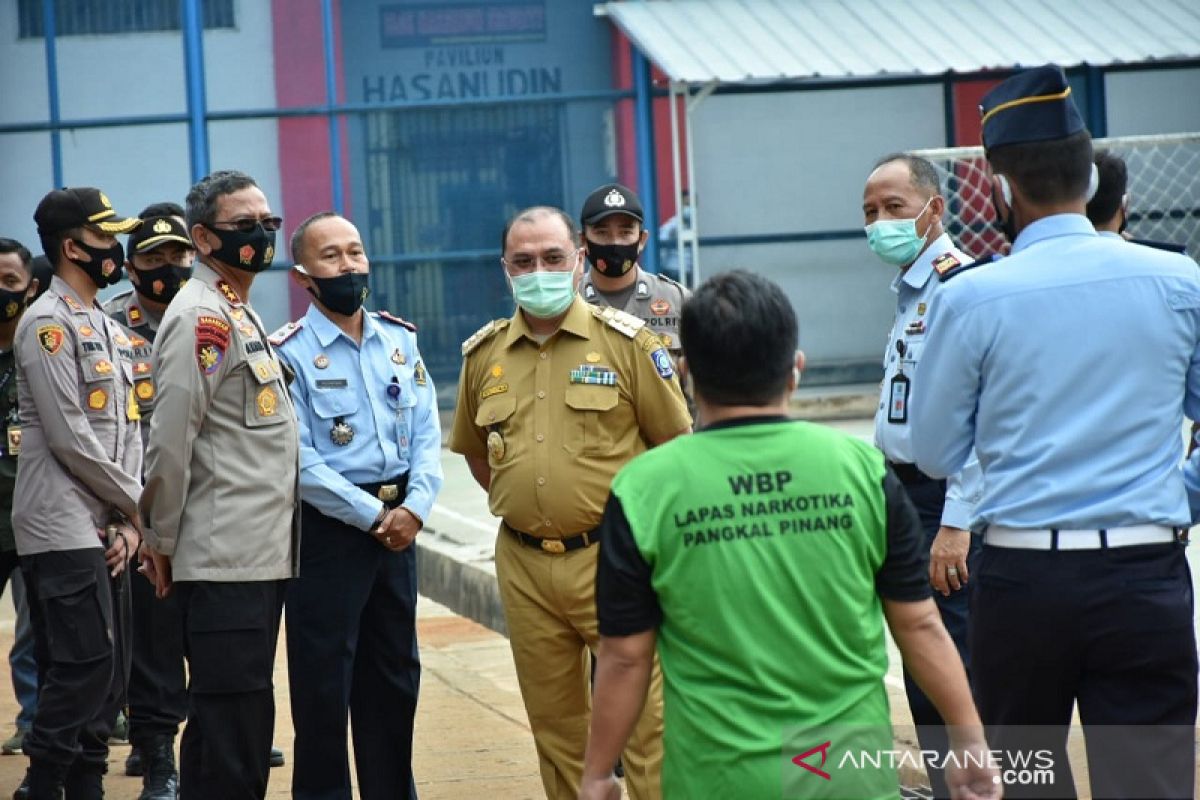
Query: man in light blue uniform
{"points": [[1068, 366], [370, 445], [902, 210]]}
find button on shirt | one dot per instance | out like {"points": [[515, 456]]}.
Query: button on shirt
{"points": [[340, 383], [1069, 366], [915, 289]]}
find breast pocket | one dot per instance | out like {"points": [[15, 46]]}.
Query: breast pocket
{"points": [[495, 417], [587, 430], [264, 401], [99, 384]]}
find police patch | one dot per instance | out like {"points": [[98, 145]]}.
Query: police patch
{"points": [[662, 363], [97, 400], [212, 339], [50, 337]]}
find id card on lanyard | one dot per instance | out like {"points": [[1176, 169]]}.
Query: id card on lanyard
{"points": [[898, 390]]}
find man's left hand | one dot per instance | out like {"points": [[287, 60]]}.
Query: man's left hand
{"points": [[948, 560], [604, 788], [123, 547]]}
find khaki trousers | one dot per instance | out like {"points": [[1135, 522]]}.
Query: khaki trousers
{"points": [[550, 608]]}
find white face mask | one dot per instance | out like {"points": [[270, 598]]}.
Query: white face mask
{"points": [[896, 240]]}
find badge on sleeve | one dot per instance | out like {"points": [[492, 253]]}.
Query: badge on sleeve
{"points": [[662, 363], [212, 339], [51, 338]]}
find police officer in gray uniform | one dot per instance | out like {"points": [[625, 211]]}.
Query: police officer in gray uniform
{"points": [[158, 261], [220, 502], [614, 235], [75, 500]]}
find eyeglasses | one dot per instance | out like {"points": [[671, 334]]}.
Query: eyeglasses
{"points": [[248, 224], [552, 260]]}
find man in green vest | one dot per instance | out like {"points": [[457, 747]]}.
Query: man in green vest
{"points": [[762, 556]]}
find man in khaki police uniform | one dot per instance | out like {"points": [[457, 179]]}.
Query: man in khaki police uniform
{"points": [[552, 402], [76, 492], [614, 236], [220, 501]]}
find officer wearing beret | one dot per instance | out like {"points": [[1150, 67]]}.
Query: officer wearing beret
{"points": [[370, 453], [76, 495], [614, 235], [220, 501], [902, 209], [159, 258], [1069, 366], [551, 403]]}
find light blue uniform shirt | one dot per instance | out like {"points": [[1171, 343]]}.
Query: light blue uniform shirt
{"points": [[915, 289], [392, 434], [1068, 366]]}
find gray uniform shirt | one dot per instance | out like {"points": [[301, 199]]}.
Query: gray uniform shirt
{"points": [[81, 450], [222, 469], [140, 327], [656, 299]]}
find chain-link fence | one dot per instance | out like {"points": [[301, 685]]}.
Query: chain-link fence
{"points": [[1164, 191]]}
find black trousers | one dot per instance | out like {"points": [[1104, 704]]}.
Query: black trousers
{"points": [[229, 636], [929, 497], [157, 685], [81, 654], [1110, 630], [352, 646]]}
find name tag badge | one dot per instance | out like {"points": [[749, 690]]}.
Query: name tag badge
{"points": [[898, 399]]}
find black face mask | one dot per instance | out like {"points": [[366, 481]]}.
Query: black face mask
{"points": [[161, 284], [343, 294], [12, 302], [1007, 227], [252, 251], [613, 260], [105, 267]]}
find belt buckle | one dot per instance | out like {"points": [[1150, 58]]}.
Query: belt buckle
{"points": [[388, 492], [554, 546]]}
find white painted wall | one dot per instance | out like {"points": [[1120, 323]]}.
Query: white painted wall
{"points": [[1153, 101], [135, 74]]}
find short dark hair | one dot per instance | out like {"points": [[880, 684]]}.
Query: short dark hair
{"points": [[532, 214], [924, 173], [43, 270], [1051, 171], [52, 243], [13, 246], [202, 198], [165, 209], [302, 229], [739, 335], [1114, 179]]}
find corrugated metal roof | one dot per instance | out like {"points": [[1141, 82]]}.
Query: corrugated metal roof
{"points": [[764, 41]]}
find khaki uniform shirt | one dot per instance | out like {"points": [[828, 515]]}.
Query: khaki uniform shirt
{"points": [[81, 449], [656, 300], [141, 328], [557, 420], [221, 493]]}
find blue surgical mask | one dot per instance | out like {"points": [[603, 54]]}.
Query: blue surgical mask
{"points": [[542, 294], [896, 240]]}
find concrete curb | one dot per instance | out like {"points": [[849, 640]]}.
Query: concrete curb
{"points": [[461, 577]]}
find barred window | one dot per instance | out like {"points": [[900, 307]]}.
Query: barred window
{"points": [[82, 17]]}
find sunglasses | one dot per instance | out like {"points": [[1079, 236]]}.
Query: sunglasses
{"points": [[248, 224]]}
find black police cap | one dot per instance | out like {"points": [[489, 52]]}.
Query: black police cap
{"points": [[612, 198], [64, 209], [156, 231]]}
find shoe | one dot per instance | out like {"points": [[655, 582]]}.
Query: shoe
{"points": [[13, 744], [22, 792], [85, 781], [133, 764], [161, 779], [276, 757], [120, 730]]}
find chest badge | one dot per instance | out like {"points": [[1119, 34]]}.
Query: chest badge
{"points": [[321, 361], [341, 433], [267, 402], [660, 308], [419, 374], [495, 445], [398, 357]]}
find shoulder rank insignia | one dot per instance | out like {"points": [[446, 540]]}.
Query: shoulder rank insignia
{"points": [[484, 333], [627, 324], [397, 320], [72, 303], [945, 262], [134, 315], [286, 332], [961, 268], [228, 293]]}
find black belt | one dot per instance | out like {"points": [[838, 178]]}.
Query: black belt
{"points": [[909, 474], [391, 492], [555, 546]]}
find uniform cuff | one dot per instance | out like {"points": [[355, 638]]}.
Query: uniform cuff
{"points": [[159, 544], [957, 514]]}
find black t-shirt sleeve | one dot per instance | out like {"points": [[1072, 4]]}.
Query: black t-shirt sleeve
{"points": [[625, 600], [904, 574]]}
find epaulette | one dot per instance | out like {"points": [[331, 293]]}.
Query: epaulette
{"points": [[486, 332], [961, 268], [945, 262], [627, 324], [394, 319], [1170, 247], [286, 332]]}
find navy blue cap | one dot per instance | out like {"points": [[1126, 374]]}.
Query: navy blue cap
{"points": [[1031, 106]]}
